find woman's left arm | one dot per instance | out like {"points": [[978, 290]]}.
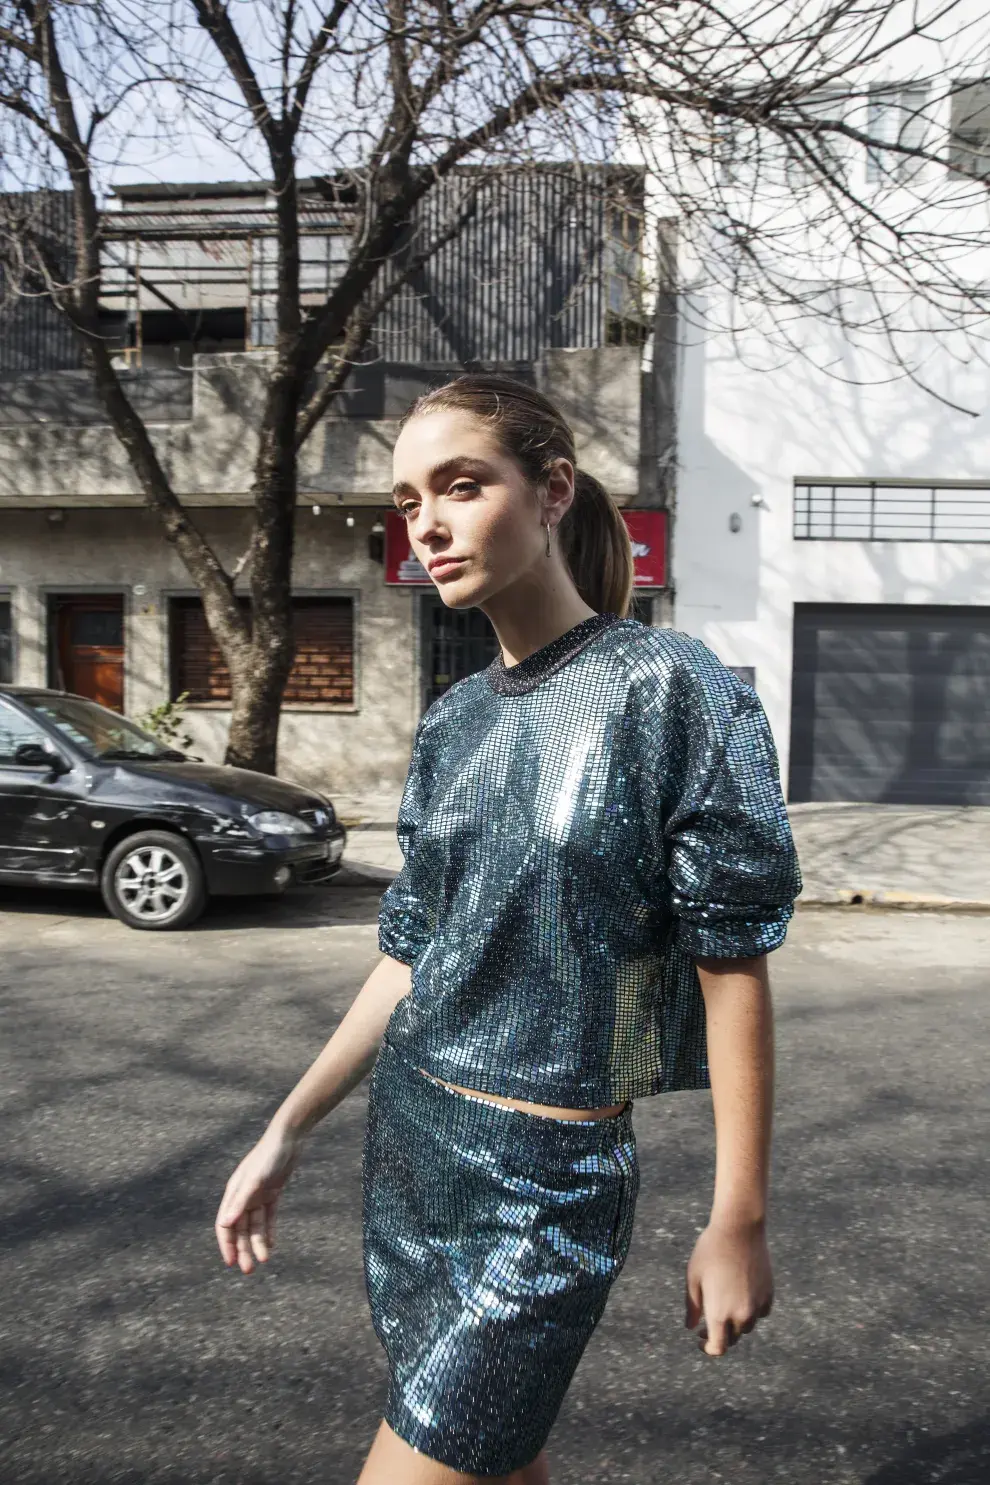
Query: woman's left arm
{"points": [[729, 1278]]}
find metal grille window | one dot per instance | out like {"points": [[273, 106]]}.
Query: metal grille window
{"points": [[896, 116], [969, 127], [887, 510], [6, 642], [322, 672]]}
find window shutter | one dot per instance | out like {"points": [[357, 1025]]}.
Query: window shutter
{"points": [[322, 672]]}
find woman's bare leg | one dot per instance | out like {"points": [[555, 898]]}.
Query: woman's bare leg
{"points": [[392, 1462], [537, 1473]]}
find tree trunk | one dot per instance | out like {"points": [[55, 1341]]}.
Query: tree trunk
{"points": [[255, 711], [257, 685]]}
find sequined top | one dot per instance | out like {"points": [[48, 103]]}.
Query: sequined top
{"points": [[576, 828]]}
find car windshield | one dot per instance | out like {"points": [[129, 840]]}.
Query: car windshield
{"points": [[99, 732]]}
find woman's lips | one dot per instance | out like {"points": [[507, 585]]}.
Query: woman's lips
{"points": [[448, 564]]}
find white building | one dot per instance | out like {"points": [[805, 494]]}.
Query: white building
{"points": [[832, 517]]}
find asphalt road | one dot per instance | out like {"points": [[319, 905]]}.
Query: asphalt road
{"points": [[136, 1068]]}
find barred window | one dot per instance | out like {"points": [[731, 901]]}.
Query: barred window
{"points": [[322, 672], [890, 510]]}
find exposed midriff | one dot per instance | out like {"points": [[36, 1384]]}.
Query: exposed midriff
{"points": [[548, 1111]]}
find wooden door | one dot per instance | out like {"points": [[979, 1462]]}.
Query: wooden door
{"points": [[89, 635]]}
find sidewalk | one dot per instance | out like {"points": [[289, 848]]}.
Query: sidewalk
{"points": [[894, 855], [888, 856]]}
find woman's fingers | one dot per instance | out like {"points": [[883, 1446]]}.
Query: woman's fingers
{"points": [[245, 1222], [247, 1237], [717, 1337], [258, 1234], [693, 1299], [226, 1240], [231, 1203], [243, 1237]]}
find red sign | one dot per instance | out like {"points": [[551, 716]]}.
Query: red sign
{"points": [[647, 532], [401, 565]]}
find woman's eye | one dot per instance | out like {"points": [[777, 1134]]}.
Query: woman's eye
{"points": [[465, 487]]}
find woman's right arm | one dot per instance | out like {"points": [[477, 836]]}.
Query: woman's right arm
{"points": [[245, 1224]]}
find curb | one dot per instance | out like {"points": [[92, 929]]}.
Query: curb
{"points": [[903, 902], [360, 873], [866, 899]]}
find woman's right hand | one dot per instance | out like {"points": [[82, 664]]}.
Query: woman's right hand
{"points": [[245, 1225]]}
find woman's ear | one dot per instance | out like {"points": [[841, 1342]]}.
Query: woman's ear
{"points": [[559, 481]]}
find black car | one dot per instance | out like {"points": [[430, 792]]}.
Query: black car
{"points": [[89, 800]]}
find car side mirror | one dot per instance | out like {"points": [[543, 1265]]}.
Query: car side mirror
{"points": [[33, 755]]}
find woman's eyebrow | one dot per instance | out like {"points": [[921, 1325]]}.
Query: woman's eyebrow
{"points": [[442, 470]]}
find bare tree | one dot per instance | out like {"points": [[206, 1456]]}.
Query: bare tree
{"points": [[747, 117]]}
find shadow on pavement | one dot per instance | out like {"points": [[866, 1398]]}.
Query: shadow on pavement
{"points": [[961, 1457]]}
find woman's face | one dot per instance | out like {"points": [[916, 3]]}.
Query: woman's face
{"points": [[463, 497]]}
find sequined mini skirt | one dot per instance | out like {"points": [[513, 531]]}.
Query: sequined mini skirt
{"points": [[492, 1237]]}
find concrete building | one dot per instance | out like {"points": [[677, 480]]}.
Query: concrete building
{"points": [[93, 598]]}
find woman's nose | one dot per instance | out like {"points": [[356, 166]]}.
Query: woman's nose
{"points": [[428, 526]]}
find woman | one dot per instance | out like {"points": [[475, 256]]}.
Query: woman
{"points": [[597, 861]]}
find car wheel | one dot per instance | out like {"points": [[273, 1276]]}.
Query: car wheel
{"points": [[154, 880]]}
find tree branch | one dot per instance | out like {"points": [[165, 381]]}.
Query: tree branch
{"points": [[80, 305], [315, 53], [215, 21], [323, 328], [18, 44]]}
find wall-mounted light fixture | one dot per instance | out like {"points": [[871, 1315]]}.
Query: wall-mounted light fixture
{"points": [[376, 542]]}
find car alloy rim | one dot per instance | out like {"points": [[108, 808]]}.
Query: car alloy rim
{"points": [[152, 883]]}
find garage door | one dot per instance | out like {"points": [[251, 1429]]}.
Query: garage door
{"points": [[891, 705]]}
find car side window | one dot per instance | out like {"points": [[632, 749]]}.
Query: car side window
{"points": [[15, 731]]}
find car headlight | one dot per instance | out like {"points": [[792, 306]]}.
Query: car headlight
{"points": [[277, 822]]}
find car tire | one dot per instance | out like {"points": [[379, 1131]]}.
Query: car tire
{"points": [[153, 880]]}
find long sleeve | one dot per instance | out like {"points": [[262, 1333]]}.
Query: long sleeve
{"points": [[731, 868], [407, 910]]}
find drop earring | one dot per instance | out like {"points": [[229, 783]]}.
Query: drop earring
{"points": [[548, 538]]}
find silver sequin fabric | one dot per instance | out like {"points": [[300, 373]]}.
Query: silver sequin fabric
{"points": [[577, 829], [492, 1237]]}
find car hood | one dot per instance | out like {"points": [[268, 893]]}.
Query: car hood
{"points": [[240, 784]]}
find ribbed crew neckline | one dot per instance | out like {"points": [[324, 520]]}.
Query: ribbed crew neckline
{"points": [[526, 675]]}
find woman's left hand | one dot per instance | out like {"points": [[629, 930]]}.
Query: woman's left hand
{"points": [[729, 1284]]}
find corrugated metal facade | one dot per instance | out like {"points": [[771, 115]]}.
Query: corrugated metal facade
{"points": [[34, 336], [527, 271]]}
